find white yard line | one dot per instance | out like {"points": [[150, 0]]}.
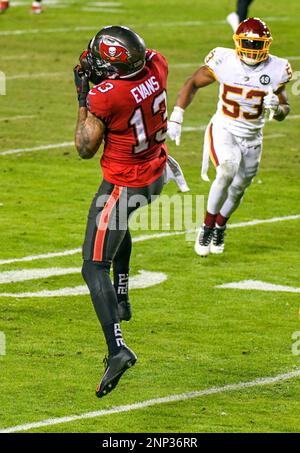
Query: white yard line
{"points": [[194, 128], [36, 148], [203, 128], [144, 279], [148, 237], [154, 402], [49, 75], [17, 118], [200, 128], [37, 75], [115, 4], [34, 274], [259, 286], [197, 23], [42, 256], [14, 57], [98, 9], [271, 136], [260, 222], [36, 31]]}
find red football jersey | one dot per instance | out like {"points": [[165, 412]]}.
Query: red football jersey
{"points": [[134, 112]]}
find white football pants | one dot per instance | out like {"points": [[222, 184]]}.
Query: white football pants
{"points": [[236, 160]]}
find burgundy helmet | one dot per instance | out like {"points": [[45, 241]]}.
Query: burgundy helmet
{"points": [[252, 41]]}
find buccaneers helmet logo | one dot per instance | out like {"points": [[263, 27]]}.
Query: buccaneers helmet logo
{"points": [[111, 50]]}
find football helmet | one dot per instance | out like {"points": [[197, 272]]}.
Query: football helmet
{"points": [[252, 41], [115, 52]]}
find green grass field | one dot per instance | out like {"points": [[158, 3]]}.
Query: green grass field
{"points": [[188, 335]]}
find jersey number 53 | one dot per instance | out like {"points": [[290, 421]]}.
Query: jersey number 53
{"points": [[233, 108]]}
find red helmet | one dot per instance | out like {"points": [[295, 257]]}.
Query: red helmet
{"points": [[252, 41]]}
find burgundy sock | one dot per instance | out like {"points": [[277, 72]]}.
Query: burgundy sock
{"points": [[221, 221], [210, 219]]}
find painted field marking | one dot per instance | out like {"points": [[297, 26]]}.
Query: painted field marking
{"points": [[194, 128], [199, 63], [2, 343], [36, 31], [17, 118], [154, 402], [14, 57], [201, 127], [144, 279], [49, 75], [43, 256], [36, 148], [147, 237], [102, 10], [272, 136], [36, 75], [34, 274], [198, 23], [259, 286], [260, 222], [115, 4]]}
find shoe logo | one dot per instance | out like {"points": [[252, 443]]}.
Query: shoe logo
{"points": [[118, 335]]}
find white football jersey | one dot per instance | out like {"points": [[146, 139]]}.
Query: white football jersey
{"points": [[242, 89]]}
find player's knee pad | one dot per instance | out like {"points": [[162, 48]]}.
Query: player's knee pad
{"points": [[225, 173]]}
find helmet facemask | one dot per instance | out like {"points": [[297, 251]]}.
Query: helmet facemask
{"points": [[252, 49]]}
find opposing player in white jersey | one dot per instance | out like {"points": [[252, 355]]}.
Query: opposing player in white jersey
{"points": [[252, 83]]}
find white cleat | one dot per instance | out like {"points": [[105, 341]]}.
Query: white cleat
{"points": [[233, 20], [204, 238], [217, 244], [36, 8]]}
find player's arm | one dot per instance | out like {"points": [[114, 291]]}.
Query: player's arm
{"points": [[200, 79], [89, 129], [283, 106], [88, 134]]}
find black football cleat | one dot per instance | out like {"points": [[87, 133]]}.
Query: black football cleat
{"points": [[124, 310], [116, 365]]}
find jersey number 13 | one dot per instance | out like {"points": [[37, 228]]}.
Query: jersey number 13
{"points": [[139, 123]]}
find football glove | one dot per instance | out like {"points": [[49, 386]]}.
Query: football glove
{"points": [[174, 124], [271, 102], [94, 69], [82, 85]]}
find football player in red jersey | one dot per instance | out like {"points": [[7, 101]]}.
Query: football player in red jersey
{"points": [[127, 109]]}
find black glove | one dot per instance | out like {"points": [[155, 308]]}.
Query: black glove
{"points": [[82, 85]]}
